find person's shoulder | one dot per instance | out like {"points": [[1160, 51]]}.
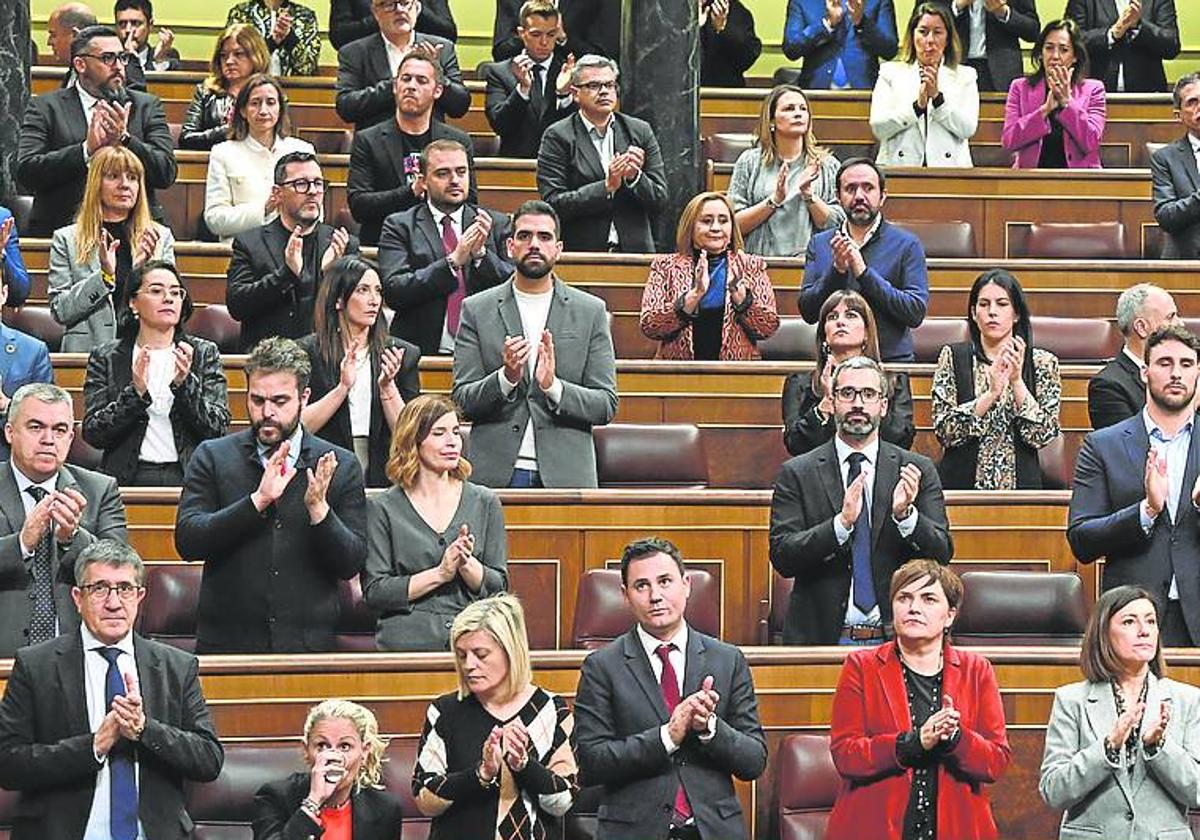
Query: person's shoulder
{"points": [[284, 790], [301, 11], [635, 124], [1093, 87], [359, 47], [143, 98], [67, 234], [488, 297], [442, 130], [486, 495], [1106, 437], [1186, 692], [964, 72], [1073, 693], [175, 658], [579, 297], [223, 447], [104, 349], [561, 128], [717, 646], [806, 461], [89, 479], [665, 262], [1043, 357], [907, 456], [34, 657]]}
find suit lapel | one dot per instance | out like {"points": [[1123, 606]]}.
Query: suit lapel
{"points": [[1137, 444], [695, 664], [1101, 711], [1183, 509], [10, 499], [1159, 691], [1109, 9], [425, 224], [391, 147], [149, 668], [891, 680], [1188, 157], [558, 318], [510, 315], [831, 475], [69, 668], [887, 473], [639, 667], [586, 157], [77, 123], [275, 237]]}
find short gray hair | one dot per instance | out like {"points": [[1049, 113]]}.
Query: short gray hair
{"points": [[1180, 83], [109, 553], [46, 392], [1130, 304], [864, 363], [591, 61]]}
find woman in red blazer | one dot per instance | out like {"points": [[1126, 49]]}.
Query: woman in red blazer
{"points": [[710, 300], [917, 726]]}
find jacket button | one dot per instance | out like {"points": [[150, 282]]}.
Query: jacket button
{"points": [[900, 154], [947, 154], [516, 428], [449, 624], [1129, 815], [441, 540]]}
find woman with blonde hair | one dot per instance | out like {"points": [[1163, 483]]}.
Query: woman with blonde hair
{"points": [[239, 53], [784, 188], [341, 796], [495, 758], [92, 259], [710, 299], [435, 541]]}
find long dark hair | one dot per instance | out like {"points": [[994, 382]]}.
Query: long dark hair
{"points": [[127, 324], [1023, 328], [329, 320], [1082, 64]]}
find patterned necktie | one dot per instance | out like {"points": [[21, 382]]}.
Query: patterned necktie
{"points": [[670, 691], [454, 302], [860, 543], [43, 620], [122, 791]]}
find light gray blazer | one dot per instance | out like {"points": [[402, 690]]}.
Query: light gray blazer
{"points": [[79, 298], [584, 362], [1103, 801]]}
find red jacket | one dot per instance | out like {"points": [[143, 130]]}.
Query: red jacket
{"points": [[870, 710]]}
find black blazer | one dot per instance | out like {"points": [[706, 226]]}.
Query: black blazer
{"points": [[1177, 199], [115, 416], [50, 160], [506, 44], [374, 814], [594, 26], [350, 20], [808, 495], [571, 179], [1004, 54], [204, 124], [364, 82], [263, 293], [377, 185], [46, 742], [726, 56], [270, 580], [1157, 39], [1116, 393], [803, 429], [337, 431], [512, 116]]}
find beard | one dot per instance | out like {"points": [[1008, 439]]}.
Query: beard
{"points": [[1173, 402], [862, 215], [856, 426], [535, 270], [285, 432]]}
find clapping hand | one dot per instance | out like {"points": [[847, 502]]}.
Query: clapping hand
{"points": [[183, 352], [544, 370], [140, 370], [337, 247], [66, 511], [941, 725], [493, 755], [457, 554], [147, 245], [277, 475], [293, 252], [1124, 725], [834, 13], [562, 83], [166, 39], [390, 361], [704, 705], [516, 357], [852, 502], [282, 27], [907, 486], [514, 743], [348, 370], [108, 252], [929, 85], [737, 277], [635, 159], [130, 714], [522, 69], [1153, 734], [780, 194], [856, 7], [693, 296], [318, 487]]}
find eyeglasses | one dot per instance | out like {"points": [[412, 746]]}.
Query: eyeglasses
{"points": [[160, 292], [304, 186], [110, 59], [596, 87], [99, 592], [849, 394], [393, 5]]}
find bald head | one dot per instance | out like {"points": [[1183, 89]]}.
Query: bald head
{"points": [[62, 25], [1141, 310]]}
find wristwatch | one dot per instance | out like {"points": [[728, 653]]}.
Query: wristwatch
{"points": [[772, 203]]}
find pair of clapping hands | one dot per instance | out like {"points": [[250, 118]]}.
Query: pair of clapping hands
{"points": [[505, 745]]}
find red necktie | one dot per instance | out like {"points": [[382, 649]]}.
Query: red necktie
{"points": [[670, 690], [454, 302]]}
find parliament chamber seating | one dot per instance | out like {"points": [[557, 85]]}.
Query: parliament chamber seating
{"points": [[1021, 608], [37, 322], [650, 455], [214, 322], [772, 626], [82, 453], [1057, 460], [795, 340], [1071, 241], [601, 614], [949, 239], [1080, 340], [21, 206], [806, 785], [936, 333]]}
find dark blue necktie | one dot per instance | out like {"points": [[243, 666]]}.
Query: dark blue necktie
{"points": [[860, 543], [122, 791]]}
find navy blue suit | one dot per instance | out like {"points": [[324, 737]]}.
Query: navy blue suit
{"points": [[860, 48], [15, 273]]}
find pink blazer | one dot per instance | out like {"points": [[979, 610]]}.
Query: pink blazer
{"points": [[1082, 121]]}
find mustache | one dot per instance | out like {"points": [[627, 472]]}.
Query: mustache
{"points": [[117, 94]]}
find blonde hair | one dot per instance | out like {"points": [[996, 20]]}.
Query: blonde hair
{"points": [[370, 772], [111, 160], [412, 427], [764, 134], [503, 618], [685, 237], [249, 39]]}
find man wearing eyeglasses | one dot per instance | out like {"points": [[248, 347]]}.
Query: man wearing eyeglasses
{"points": [[49, 512], [350, 20], [846, 515], [100, 727], [275, 269], [62, 129], [368, 66]]}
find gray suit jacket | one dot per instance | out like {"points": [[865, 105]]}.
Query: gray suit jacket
{"points": [[1100, 800], [103, 518], [1177, 199], [79, 298], [584, 363]]}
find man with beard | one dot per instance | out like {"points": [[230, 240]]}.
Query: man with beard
{"points": [[534, 368], [1127, 503], [847, 514], [883, 263], [274, 272], [276, 514]]}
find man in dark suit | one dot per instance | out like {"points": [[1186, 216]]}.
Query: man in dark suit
{"points": [[600, 170], [530, 91], [49, 512], [135, 22], [728, 43], [99, 727], [434, 255], [275, 269], [1135, 492], [665, 715], [847, 514], [841, 43], [1175, 169], [991, 32], [273, 548], [1118, 391], [1126, 49], [368, 66], [534, 367], [64, 128], [350, 20]]}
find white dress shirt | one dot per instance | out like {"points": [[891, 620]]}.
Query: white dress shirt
{"points": [[89, 104], [1195, 141], [678, 658], [360, 396], [158, 444], [396, 54], [1175, 450]]}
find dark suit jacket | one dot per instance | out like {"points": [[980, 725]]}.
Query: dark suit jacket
{"points": [[571, 179], [1116, 393], [377, 185], [804, 545], [46, 742], [364, 82], [116, 417], [594, 26], [103, 518], [1142, 50], [337, 431], [375, 814], [416, 275], [803, 429], [1104, 519], [805, 36], [619, 710], [270, 579], [50, 154], [512, 116], [350, 20], [726, 56], [1177, 199], [1003, 39], [263, 293]]}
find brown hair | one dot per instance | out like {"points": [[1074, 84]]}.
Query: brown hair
{"points": [[764, 134], [239, 128], [954, 50], [540, 8], [685, 242], [111, 160], [855, 303], [249, 39], [412, 427], [932, 572], [1097, 659]]}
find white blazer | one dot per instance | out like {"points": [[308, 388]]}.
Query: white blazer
{"points": [[940, 137], [240, 176]]}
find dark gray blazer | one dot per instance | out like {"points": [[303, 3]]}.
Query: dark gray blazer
{"points": [[1177, 199], [103, 518], [619, 710], [585, 364], [1141, 51], [350, 20], [512, 116], [1003, 38]]}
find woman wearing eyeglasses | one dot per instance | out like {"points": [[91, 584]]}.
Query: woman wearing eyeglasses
{"points": [[238, 195], [240, 53], [290, 31], [995, 397], [152, 394]]}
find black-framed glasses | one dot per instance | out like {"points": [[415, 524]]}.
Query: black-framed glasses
{"points": [[393, 5], [100, 591], [110, 59], [596, 87], [848, 394], [304, 186]]}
